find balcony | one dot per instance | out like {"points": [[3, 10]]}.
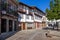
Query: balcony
{"points": [[6, 10], [12, 13], [39, 14], [30, 12], [36, 13], [21, 10]]}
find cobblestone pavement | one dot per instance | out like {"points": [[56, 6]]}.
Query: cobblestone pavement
{"points": [[32, 35]]}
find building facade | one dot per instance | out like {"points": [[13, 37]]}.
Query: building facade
{"points": [[8, 16], [25, 16], [38, 18], [30, 17]]}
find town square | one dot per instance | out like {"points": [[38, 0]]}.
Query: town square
{"points": [[29, 19]]}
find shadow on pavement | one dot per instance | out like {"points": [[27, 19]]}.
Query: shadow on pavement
{"points": [[7, 35]]}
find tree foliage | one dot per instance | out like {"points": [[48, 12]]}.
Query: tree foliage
{"points": [[54, 11]]}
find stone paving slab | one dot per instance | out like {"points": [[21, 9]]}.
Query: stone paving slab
{"points": [[55, 33], [5, 35], [33, 35], [22, 35]]}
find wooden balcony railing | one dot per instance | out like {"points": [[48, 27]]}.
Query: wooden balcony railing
{"points": [[31, 13], [22, 10]]}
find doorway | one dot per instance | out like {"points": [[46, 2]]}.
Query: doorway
{"points": [[3, 25], [10, 25], [23, 26], [15, 25]]}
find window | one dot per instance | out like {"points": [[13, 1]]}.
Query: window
{"points": [[26, 8], [30, 25], [37, 17], [31, 10], [32, 17], [21, 16], [27, 16], [20, 7], [3, 12], [4, 1], [3, 6], [12, 7]]}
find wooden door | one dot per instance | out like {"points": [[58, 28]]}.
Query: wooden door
{"points": [[37, 25], [23, 26]]}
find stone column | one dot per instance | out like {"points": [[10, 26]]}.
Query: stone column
{"points": [[16, 25], [7, 25], [26, 26], [0, 25], [36, 25], [0, 22], [21, 26], [13, 26]]}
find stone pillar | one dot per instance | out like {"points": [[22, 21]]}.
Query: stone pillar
{"points": [[0, 21], [36, 25], [7, 25], [21, 26], [16, 25], [0, 25], [26, 26], [13, 26]]}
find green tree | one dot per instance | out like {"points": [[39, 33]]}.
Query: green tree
{"points": [[54, 11]]}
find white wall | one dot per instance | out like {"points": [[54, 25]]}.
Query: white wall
{"points": [[24, 19], [30, 19], [37, 20]]}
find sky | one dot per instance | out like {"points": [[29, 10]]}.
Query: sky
{"points": [[41, 4]]}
